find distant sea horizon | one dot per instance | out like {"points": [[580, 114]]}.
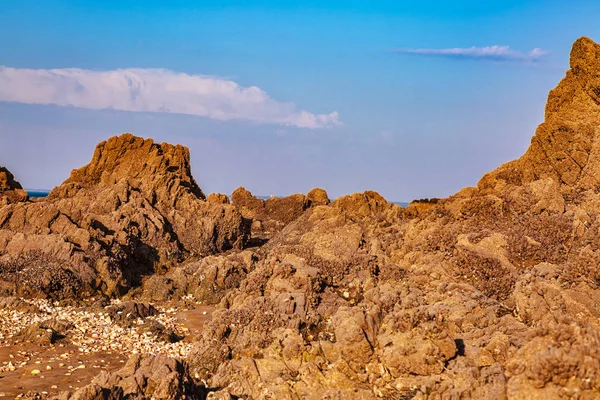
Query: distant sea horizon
{"points": [[37, 193]]}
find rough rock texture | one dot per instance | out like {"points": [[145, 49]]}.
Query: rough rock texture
{"points": [[133, 210], [565, 147], [318, 197], [128, 172], [492, 293], [271, 215], [7, 181], [207, 279], [11, 191], [44, 333], [156, 377], [218, 198]]}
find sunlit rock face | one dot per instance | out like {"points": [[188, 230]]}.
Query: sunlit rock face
{"points": [[492, 293], [135, 209]]}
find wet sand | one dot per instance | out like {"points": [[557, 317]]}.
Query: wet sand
{"points": [[60, 368], [195, 319]]}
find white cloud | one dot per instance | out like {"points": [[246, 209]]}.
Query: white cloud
{"points": [[501, 53], [154, 90]]}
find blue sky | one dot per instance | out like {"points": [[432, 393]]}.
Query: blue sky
{"points": [[407, 98]]}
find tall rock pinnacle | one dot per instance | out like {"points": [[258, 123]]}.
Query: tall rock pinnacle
{"points": [[566, 146]]}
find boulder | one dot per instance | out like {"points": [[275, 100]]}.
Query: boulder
{"points": [[318, 197], [156, 377]]}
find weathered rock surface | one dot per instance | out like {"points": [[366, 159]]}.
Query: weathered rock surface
{"points": [[207, 280], [492, 293], [11, 191], [44, 333], [133, 210], [271, 215], [7, 181], [565, 146], [156, 377], [218, 198]]}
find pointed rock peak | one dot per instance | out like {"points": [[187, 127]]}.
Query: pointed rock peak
{"points": [[141, 163], [583, 50], [7, 181], [566, 146], [11, 191], [585, 65]]}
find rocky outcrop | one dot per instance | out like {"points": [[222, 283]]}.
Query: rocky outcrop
{"points": [[492, 293], [11, 191], [318, 197], [565, 147], [271, 215], [208, 280], [7, 181], [301, 301], [134, 209], [127, 174], [156, 377], [218, 198]]}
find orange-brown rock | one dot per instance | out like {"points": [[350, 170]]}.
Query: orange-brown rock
{"points": [[271, 215], [492, 293], [134, 209], [160, 171], [249, 205], [318, 197], [156, 377], [565, 147], [420, 207], [366, 204], [7, 180], [218, 198], [11, 191]]}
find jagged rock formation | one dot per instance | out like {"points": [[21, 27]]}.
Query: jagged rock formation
{"points": [[134, 209], [7, 181], [127, 172], [565, 147], [271, 215], [318, 197], [156, 377], [493, 293], [218, 198], [11, 191]]}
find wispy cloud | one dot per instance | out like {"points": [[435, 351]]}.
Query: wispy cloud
{"points": [[498, 53], [154, 90]]}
